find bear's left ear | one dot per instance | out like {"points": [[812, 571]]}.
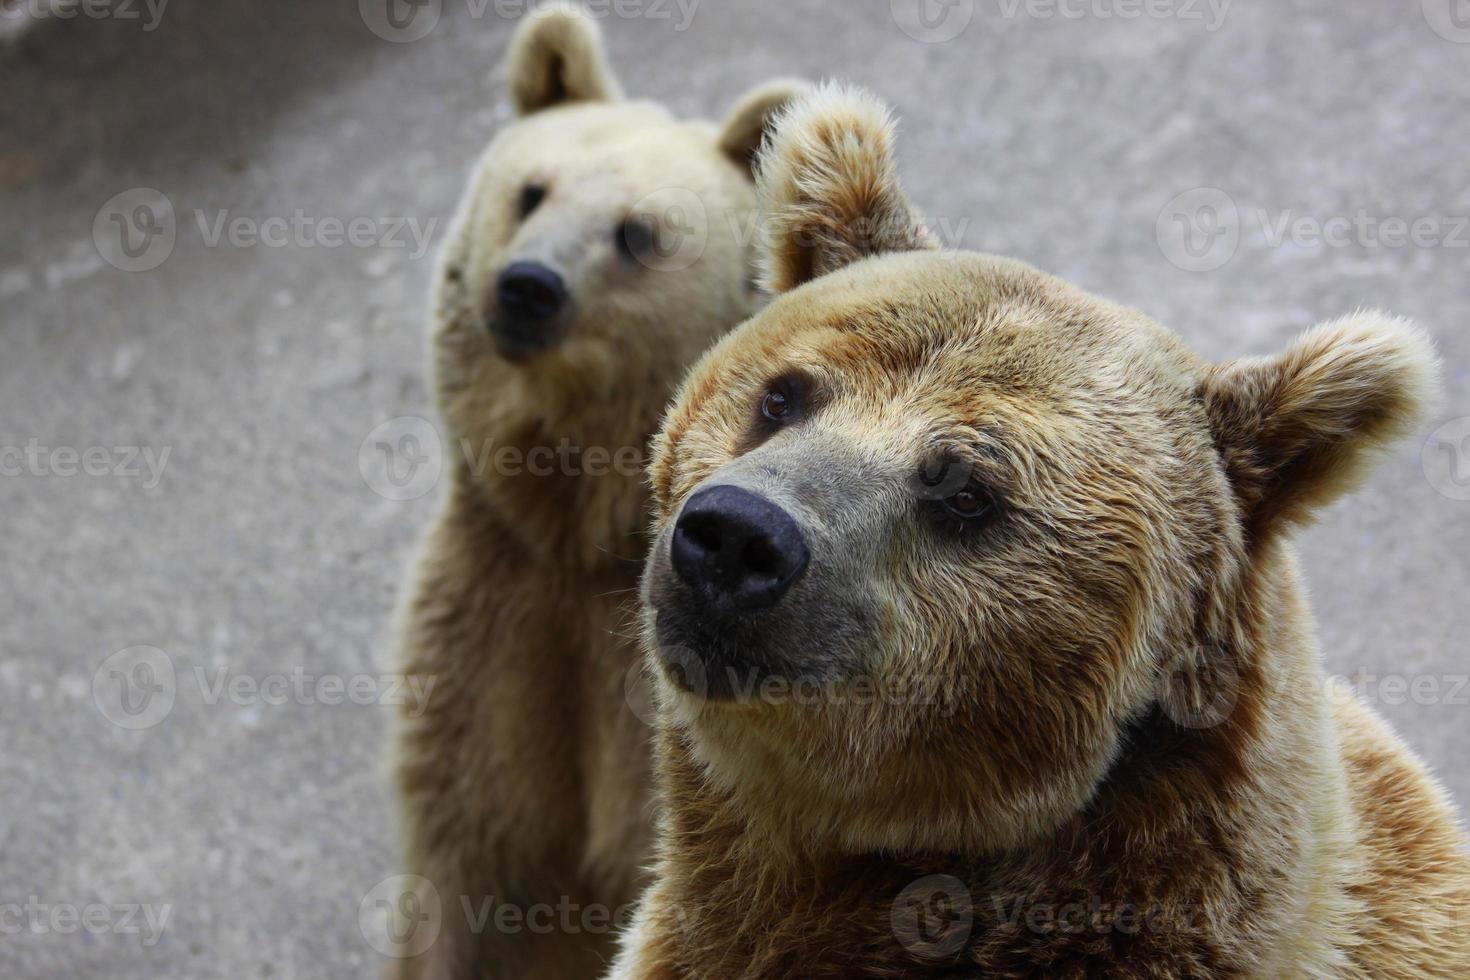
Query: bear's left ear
{"points": [[829, 189], [556, 58], [750, 120], [1298, 430]]}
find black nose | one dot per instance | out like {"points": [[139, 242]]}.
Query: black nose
{"points": [[737, 549], [530, 291]]}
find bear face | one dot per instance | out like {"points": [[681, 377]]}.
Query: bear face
{"points": [[601, 246], [938, 528]]}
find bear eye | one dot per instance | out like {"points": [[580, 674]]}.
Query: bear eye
{"points": [[784, 402], [953, 496], [634, 239], [775, 406], [970, 503], [531, 197]]}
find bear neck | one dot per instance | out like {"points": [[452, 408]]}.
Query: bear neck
{"points": [[563, 485], [1221, 841]]}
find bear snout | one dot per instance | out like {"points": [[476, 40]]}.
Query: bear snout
{"points": [[524, 308], [736, 550]]}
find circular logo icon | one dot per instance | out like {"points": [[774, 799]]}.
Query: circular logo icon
{"points": [[668, 230], [932, 21], [400, 21], [638, 691], [684, 669], [1450, 19], [135, 688], [402, 459], [932, 917], [1446, 459], [1199, 231], [1202, 692], [135, 231], [941, 478], [401, 916]]}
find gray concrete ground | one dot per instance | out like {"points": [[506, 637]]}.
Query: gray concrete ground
{"points": [[261, 551]]}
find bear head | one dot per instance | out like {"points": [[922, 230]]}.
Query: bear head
{"points": [[601, 246], [935, 531]]}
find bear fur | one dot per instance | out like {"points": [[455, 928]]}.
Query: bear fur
{"points": [[1045, 700], [525, 783]]}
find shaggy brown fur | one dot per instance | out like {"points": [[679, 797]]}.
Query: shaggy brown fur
{"points": [[525, 782], [1085, 734]]}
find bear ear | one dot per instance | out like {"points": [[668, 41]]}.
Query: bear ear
{"points": [[830, 190], [751, 119], [557, 58], [1298, 430]]}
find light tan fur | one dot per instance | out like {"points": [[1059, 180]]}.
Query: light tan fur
{"points": [[525, 783], [1128, 764]]}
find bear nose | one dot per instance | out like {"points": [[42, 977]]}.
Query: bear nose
{"points": [[530, 291], [735, 548]]}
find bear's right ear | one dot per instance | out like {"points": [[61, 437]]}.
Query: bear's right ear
{"points": [[830, 190], [1298, 430], [557, 58]]}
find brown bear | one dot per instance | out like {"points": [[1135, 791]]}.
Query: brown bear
{"points": [[602, 245], [983, 649]]}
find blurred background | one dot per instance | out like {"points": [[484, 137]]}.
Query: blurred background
{"points": [[199, 561]]}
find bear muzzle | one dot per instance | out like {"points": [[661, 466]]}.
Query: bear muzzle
{"points": [[525, 310]]}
